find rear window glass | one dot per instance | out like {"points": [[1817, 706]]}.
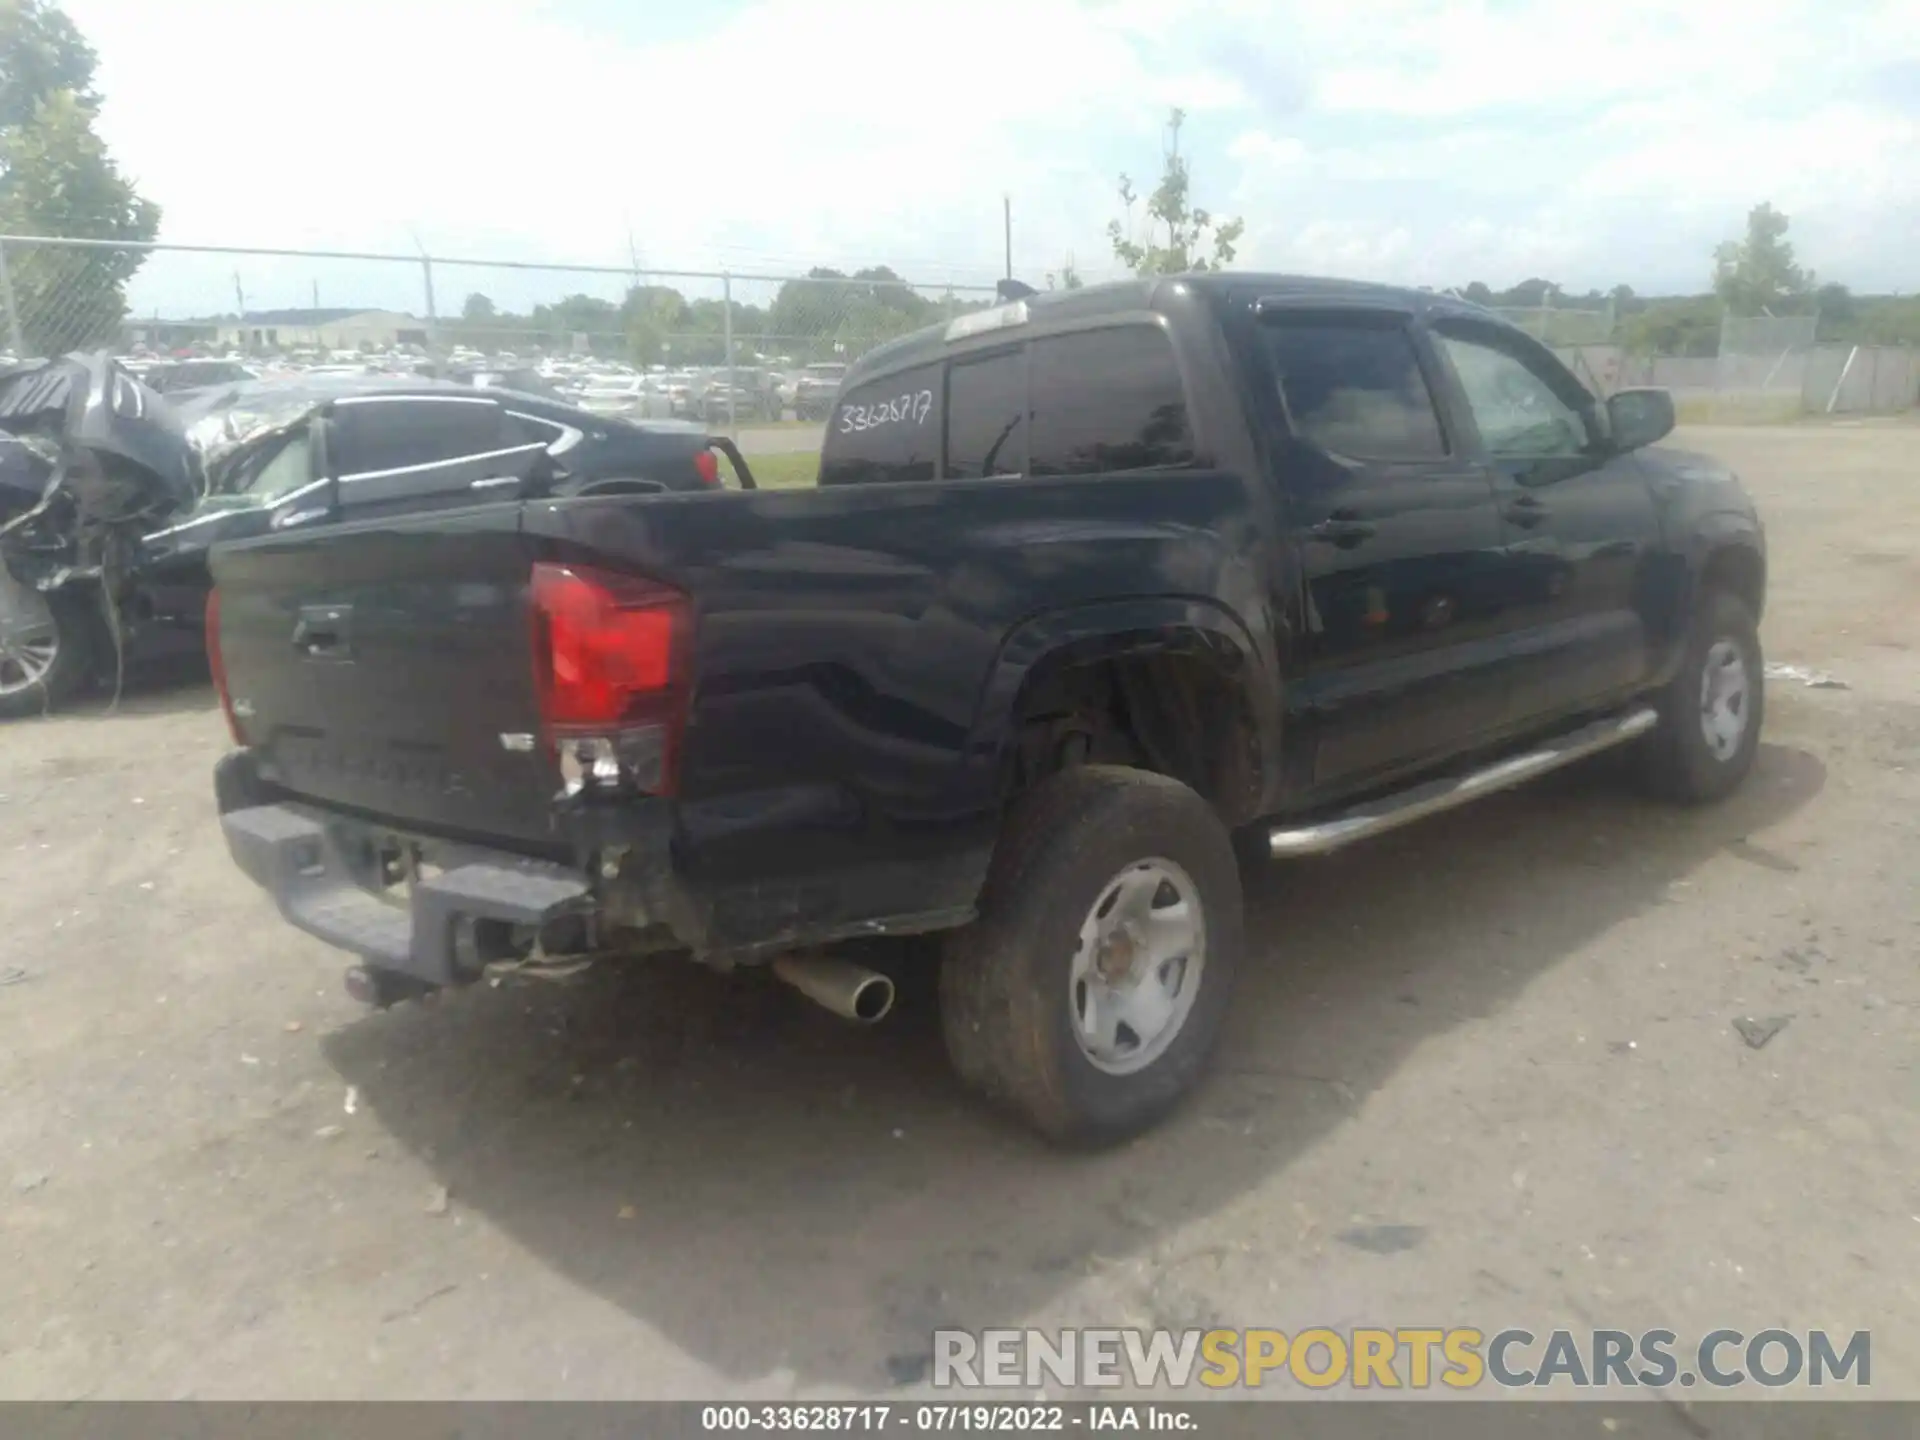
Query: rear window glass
{"points": [[1107, 400], [987, 415], [1352, 385], [885, 432]]}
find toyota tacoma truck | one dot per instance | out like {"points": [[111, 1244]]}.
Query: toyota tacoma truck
{"points": [[1098, 591]]}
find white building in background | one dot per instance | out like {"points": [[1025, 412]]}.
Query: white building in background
{"points": [[320, 330]]}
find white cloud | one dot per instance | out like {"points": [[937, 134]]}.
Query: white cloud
{"points": [[1422, 142]]}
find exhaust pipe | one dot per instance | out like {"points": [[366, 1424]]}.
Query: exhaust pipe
{"points": [[850, 991], [383, 989]]}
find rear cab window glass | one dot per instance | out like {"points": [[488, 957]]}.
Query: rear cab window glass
{"points": [[1107, 400], [986, 416], [1352, 385], [885, 431], [372, 435]]}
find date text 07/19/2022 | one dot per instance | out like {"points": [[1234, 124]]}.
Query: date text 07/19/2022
{"points": [[947, 1418]]}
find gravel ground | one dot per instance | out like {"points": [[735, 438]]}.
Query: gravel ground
{"points": [[1509, 1030]]}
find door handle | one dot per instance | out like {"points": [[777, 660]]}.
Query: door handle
{"points": [[1343, 531], [324, 632], [1527, 511]]}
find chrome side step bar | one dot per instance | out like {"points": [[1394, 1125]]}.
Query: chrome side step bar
{"points": [[1376, 817]]}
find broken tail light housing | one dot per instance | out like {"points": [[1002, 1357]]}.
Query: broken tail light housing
{"points": [[611, 667], [217, 664]]}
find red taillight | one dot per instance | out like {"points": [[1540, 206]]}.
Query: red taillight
{"points": [[218, 665], [708, 467], [610, 662]]}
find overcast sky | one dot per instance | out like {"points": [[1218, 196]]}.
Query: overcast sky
{"points": [[1591, 143]]}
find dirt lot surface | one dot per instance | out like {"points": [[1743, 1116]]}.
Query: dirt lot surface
{"points": [[1508, 1030]]}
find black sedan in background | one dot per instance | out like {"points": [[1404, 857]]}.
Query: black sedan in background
{"points": [[275, 454]]}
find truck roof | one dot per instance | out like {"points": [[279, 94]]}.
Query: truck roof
{"points": [[1052, 307]]}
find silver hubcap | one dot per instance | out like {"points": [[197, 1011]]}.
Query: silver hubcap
{"points": [[29, 640], [1142, 948], [1726, 699]]}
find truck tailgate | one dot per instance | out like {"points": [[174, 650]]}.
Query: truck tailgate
{"points": [[386, 667]]}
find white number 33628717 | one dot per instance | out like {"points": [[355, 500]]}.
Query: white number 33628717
{"points": [[911, 408]]}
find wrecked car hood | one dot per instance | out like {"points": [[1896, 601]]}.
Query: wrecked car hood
{"points": [[92, 459], [88, 408]]}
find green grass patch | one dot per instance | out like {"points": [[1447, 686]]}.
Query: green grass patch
{"points": [[784, 470]]}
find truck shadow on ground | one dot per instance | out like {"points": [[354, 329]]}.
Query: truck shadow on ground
{"points": [[770, 1188]]}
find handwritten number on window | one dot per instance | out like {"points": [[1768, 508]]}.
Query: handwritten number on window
{"points": [[911, 408]]}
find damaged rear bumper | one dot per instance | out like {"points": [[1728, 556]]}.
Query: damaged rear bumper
{"points": [[333, 877]]}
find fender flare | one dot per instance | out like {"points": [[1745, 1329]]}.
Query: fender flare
{"points": [[1106, 629]]}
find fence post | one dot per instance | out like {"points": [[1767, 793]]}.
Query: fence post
{"points": [[13, 311], [1838, 385], [433, 318], [726, 331]]}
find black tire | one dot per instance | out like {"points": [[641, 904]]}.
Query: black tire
{"points": [[1006, 981], [79, 633], [1678, 763]]}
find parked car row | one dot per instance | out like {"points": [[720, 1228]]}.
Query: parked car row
{"points": [[754, 390]]}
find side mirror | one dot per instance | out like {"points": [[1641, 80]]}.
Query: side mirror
{"points": [[1639, 417]]}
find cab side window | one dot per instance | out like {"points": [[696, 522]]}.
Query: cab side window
{"points": [[1107, 400], [1519, 410], [1352, 385], [987, 416]]}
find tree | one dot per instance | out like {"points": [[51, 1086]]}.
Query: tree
{"points": [[1757, 275], [1687, 325], [1837, 310], [1530, 294], [1178, 233], [832, 314], [57, 179], [652, 315], [1478, 293], [41, 52], [478, 307]]}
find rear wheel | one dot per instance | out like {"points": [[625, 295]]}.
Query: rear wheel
{"points": [[46, 647], [1712, 709], [1089, 994]]}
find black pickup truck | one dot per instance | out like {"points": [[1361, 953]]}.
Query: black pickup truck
{"points": [[1095, 588]]}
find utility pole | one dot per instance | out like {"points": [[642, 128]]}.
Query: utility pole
{"points": [[240, 314], [1006, 207], [316, 294]]}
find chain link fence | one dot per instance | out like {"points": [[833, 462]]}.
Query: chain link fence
{"points": [[712, 346], [1761, 369], [719, 347]]}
